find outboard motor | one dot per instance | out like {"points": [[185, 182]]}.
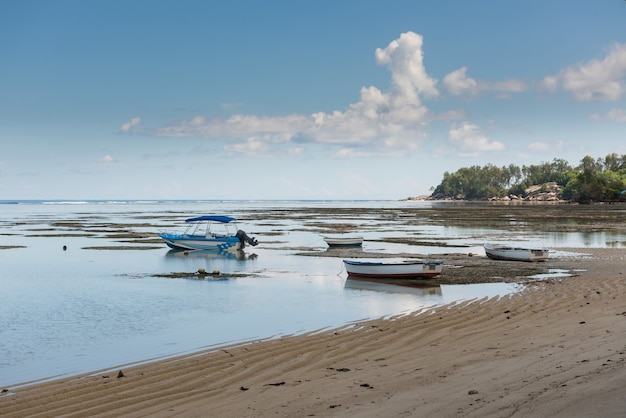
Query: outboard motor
{"points": [[244, 238]]}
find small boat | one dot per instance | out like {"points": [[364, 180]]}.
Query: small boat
{"points": [[209, 233], [404, 270], [343, 240], [506, 252]]}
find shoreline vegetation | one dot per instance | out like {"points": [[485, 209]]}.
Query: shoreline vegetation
{"points": [[593, 180]]}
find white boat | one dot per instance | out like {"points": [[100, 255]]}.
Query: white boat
{"points": [[506, 252], [208, 233], [343, 240], [404, 270]]}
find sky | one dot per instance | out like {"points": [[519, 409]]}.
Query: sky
{"points": [[283, 99]]}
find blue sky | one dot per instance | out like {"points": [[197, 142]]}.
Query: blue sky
{"points": [[299, 100]]}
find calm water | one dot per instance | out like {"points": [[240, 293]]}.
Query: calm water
{"points": [[80, 309]]}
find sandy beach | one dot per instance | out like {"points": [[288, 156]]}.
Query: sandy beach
{"points": [[556, 349]]}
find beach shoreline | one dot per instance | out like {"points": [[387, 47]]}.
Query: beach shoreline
{"points": [[555, 349]]}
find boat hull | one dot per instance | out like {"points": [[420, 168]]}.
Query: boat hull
{"points": [[406, 270], [199, 242], [344, 241], [502, 252]]}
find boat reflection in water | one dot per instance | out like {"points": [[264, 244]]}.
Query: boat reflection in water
{"points": [[419, 290], [212, 254]]}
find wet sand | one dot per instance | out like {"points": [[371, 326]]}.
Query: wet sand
{"points": [[557, 349]]}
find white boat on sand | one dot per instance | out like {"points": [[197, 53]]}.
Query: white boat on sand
{"points": [[209, 233], [343, 240], [507, 252], [404, 270]]}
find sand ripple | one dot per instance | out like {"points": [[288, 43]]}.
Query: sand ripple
{"points": [[555, 349]]}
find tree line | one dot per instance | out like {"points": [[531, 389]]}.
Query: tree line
{"points": [[593, 180]]}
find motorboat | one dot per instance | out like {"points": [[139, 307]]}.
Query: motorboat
{"points": [[209, 232]]}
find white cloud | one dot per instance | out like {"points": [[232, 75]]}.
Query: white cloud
{"points": [[381, 120], [457, 114], [405, 59], [128, 126], [508, 86], [542, 147], [393, 121], [615, 114], [251, 147], [107, 159], [469, 140], [458, 83], [538, 146], [596, 79]]}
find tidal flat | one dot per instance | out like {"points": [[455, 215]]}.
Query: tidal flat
{"points": [[89, 285]]}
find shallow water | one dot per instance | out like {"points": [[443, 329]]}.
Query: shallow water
{"points": [[79, 309]]}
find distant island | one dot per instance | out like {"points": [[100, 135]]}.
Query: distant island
{"points": [[593, 180]]}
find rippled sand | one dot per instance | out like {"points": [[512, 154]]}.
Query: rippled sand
{"points": [[557, 349]]}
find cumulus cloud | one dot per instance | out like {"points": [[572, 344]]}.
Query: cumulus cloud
{"points": [[471, 141], [107, 159], [128, 126], [396, 120], [458, 83], [615, 114], [386, 121], [405, 60], [538, 146], [252, 146], [594, 80], [542, 147]]}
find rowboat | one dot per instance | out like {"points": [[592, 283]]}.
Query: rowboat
{"points": [[208, 232], [404, 270], [343, 240], [506, 252]]}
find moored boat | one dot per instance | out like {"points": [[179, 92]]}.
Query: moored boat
{"points": [[343, 240], [507, 252], [404, 270], [208, 232]]}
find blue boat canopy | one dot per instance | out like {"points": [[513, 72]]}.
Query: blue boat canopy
{"points": [[211, 218]]}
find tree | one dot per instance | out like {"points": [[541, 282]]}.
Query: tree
{"points": [[592, 180]]}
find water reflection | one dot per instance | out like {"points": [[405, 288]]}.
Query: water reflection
{"points": [[212, 254], [77, 310], [552, 274], [596, 239], [441, 294], [592, 239], [225, 261], [391, 288]]}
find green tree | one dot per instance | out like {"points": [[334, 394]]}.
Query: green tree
{"points": [[592, 180]]}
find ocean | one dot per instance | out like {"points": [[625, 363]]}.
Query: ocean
{"points": [[84, 285]]}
